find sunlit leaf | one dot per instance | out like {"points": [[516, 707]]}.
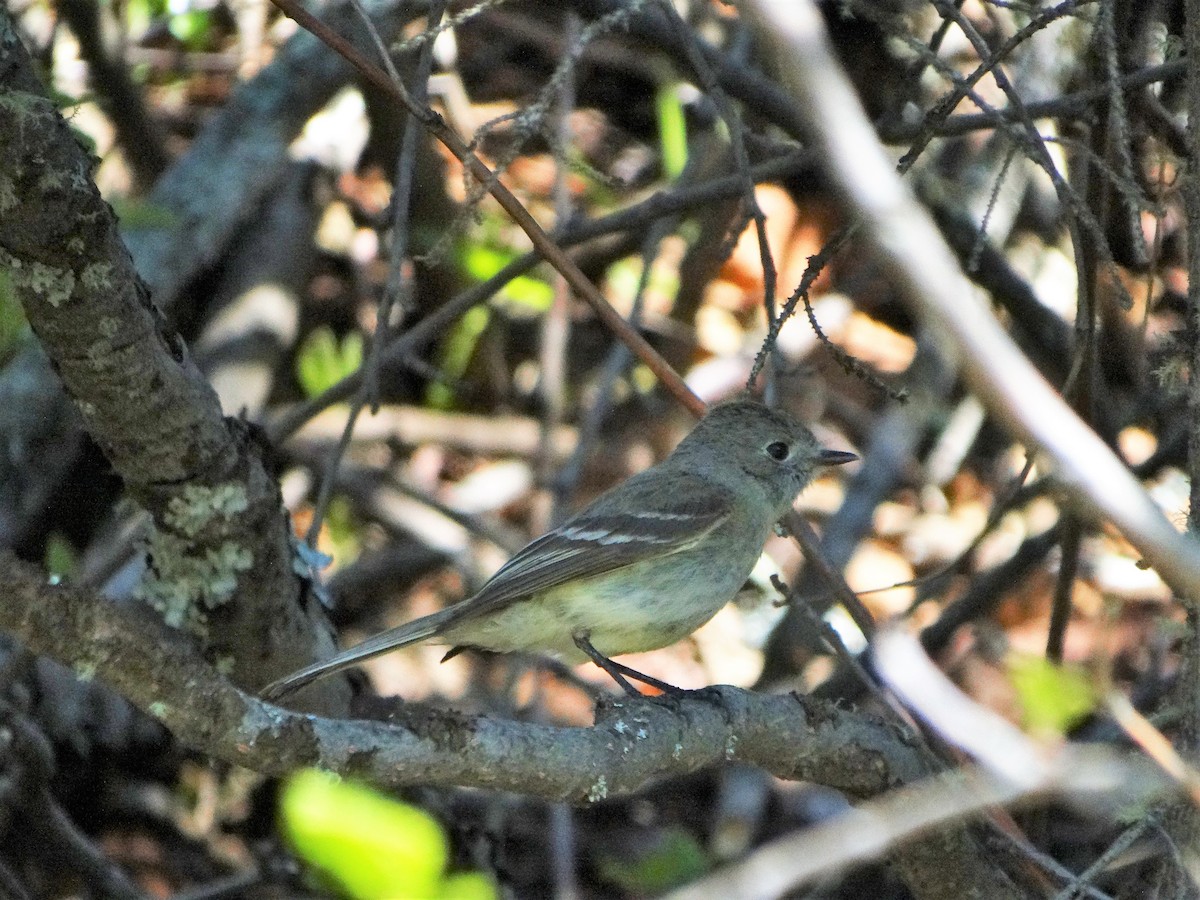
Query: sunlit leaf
{"points": [[468, 886], [139, 14], [644, 381], [456, 353], [322, 362], [1053, 698], [191, 28], [527, 295], [343, 531], [672, 129], [370, 845], [482, 261]]}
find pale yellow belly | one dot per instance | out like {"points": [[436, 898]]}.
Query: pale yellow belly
{"points": [[649, 606]]}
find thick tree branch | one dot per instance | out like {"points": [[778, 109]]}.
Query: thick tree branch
{"points": [[221, 554], [631, 744]]}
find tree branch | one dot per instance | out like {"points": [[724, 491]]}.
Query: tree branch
{"points": [[221, 553], [632, 743]]}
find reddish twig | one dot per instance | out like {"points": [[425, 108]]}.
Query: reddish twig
{"points": [[550, 251]]}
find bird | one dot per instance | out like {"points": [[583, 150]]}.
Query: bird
{"points": [[642, 566]]}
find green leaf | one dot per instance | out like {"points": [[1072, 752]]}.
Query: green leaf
{"points": [[140, 14], [191, 28], [482, 261], [644, 380], [13, 328], [456, 354], [468, 886], [343, 531], [61, 558], [527, 295], [322, 362], [672, 129], [68, 101], [676, 859], [136, 213], [1053, 698], [370, 845]]}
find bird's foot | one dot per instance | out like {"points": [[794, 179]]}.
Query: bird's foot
{"points": [[621, 673]]}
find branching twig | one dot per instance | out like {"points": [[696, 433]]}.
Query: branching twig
{"points": [[549, 250], [640, 216], [928, 277]]}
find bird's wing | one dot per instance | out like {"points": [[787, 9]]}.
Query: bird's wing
{"points": [[601, 539]]}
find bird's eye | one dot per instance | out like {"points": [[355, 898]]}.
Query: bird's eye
{"points": [[777, 450]]}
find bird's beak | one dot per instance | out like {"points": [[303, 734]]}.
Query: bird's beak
{"points": [[835, 458]]}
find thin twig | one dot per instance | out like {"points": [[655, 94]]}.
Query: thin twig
{"points": [[639, 216], [542, 242], [1067, 106], [556, 325]]}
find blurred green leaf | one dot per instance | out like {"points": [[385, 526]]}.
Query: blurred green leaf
{"points": [[528, 295], [135, 213], [139, 14], [672, 129], [370, 845], [322, 362], [624, 276], [13, 328], [644, 380], [676, 859], [482, 261], [1053, 698], [343, 531], [456, 354], [68, 101], [85, 140], [191, 28], [61, 558], [468, 886]]}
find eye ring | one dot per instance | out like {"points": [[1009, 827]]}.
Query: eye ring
{"points": [[778, 450]]}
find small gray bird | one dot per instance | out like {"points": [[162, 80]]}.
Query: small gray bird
{"points": [[644, 565]]}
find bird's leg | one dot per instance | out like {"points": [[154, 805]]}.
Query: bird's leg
{"points": [[621, 673]]}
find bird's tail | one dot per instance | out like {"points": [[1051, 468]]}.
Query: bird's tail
{"points": [[393, 639]]}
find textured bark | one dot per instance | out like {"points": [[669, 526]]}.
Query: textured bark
{"points": [[221, 554], [631, 744], [201, 204]]}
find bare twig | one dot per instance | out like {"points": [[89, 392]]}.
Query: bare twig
{"points": [[903, 234], [1067, 106], [397, 285], [642, 215], [549, 250], [873, 829]]}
